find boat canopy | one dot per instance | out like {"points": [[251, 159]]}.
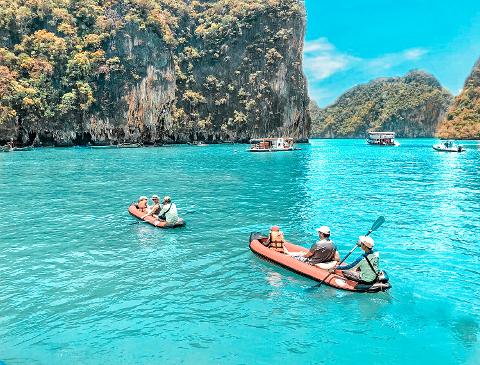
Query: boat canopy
{"points": [[256, 140], [381, 135]]}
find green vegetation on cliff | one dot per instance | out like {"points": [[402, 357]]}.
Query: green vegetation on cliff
{"points": [[150, 70], [411, 106], [463, 117]]}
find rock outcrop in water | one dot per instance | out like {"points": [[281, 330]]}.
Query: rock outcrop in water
{"points": [[411, 106], [463, 117], [151, 71]]}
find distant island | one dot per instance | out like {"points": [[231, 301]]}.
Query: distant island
{"points": [[153, 71], [415, 105], [411, 106]]}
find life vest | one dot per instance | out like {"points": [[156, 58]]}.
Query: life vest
{"points": [[369, 267], [276, 240]]}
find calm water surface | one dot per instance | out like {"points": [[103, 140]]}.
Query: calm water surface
{"points": [[81, 284]]}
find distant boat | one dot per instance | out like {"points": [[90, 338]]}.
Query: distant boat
{"points": [[104, 147], [382, 139], [129, 145], [448, 146], [19, 149], [272, 145], [6, 149], [201, 144]]}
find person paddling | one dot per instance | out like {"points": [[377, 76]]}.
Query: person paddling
{"points": [[321, 252], [168, 212], [366, 267], [155, 209]]}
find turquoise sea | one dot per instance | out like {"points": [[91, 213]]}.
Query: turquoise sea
{"points": [[81, 284]]}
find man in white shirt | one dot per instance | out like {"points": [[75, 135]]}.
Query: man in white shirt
{"points": [[169, 211]]}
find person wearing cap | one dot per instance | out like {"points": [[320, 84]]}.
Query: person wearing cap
{"points": [[168, 212], [276, 240], [142, 203], [155, 208], [366, 267], [322, 251]]}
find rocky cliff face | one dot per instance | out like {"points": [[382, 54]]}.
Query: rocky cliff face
{"points": [[411, 106], [463, 117], [151, 71]]}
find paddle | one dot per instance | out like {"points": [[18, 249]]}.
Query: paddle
{"points": [[380, 220]]}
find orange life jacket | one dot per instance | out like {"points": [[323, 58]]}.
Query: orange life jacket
{"points": [[276, 240]]}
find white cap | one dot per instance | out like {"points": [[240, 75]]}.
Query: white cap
{"points": [[367, 241], [324, 230], [155, 196], [143, 197], [166, 198]]}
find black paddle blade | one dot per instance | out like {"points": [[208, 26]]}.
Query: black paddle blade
{"points": [[380, 220]]}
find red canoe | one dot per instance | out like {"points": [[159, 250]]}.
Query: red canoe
{"points": [[151, 220], [335, 279]]}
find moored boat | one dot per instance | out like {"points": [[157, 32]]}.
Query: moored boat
{"points": [[382, 139], [19, 149], [272, 145], [6, 149], [104, 147], [133, 210], [334, 279], [448, 146], [129, 145]]}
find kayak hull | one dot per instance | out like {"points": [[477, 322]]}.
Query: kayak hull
{"points": [[151, 220], [335, 279]]}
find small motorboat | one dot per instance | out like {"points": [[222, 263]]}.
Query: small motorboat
{"points": [[334, 279], [6, 149], [104, 147], [137, 213], [129, 145], [20, 149], [448, 146]]}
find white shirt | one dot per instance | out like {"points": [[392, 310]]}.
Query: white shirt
{"points": [[170, 211]]}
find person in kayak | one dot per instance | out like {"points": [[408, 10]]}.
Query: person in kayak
{"points": [[276, 240], [142, 203], [320, 252], [168, 212], [155, 209], [365, 268]]}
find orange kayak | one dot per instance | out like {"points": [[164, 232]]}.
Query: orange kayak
{"points": [[133, 210], [334, 279]]}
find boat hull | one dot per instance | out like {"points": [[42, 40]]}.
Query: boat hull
{"points": [[334, 279], [153, 221], [443, 149]]}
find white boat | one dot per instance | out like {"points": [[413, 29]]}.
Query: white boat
{"points": [[272, 145], [448, 146], [382, 139]]}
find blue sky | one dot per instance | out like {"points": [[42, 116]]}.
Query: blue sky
{"points": [[351, 42]]}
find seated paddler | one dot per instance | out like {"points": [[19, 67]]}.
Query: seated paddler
{"points": [[142, 204], [168, 212], [155, 209], [365, 268], [322, 252]]}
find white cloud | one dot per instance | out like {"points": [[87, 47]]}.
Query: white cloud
{"points": [[390, 60], [321, 59]]}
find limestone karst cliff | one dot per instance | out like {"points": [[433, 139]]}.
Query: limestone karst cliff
{"points": [[463, 118], [151, 71]]}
